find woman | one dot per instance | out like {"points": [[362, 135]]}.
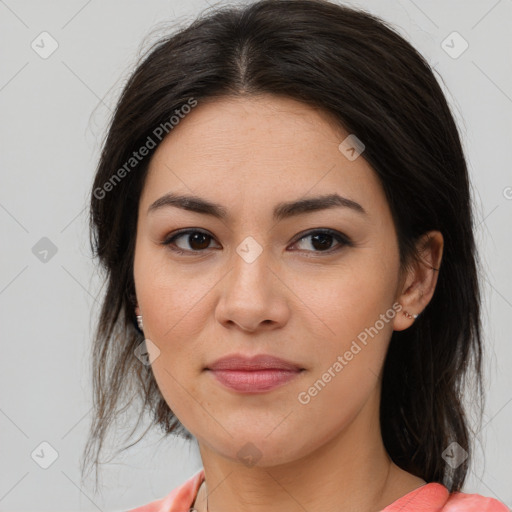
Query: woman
{"points": [[282, 208]]}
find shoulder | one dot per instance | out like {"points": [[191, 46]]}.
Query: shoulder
{"points": [[434, 497], [180, 499], [465, 502]]}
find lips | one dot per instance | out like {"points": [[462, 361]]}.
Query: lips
{"points": [[256, 381], [238, 362], [257, 374]]}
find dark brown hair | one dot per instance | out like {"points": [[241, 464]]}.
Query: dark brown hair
{"points": [[354, 66]]}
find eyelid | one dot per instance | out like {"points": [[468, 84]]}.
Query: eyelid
{"points": [[341, 238], [169, 240], [185, 231], [327, 231]]}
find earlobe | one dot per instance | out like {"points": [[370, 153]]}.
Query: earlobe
{"points": [[139, 317], [139, 322], [421, 280]]}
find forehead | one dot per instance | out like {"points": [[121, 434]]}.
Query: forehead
{"points": [[263, 150], [271, 125]]}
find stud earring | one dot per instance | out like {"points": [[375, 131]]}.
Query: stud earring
{"points": [[139, 322]]}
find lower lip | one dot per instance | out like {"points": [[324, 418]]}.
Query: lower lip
{"points": [[256, 381]]}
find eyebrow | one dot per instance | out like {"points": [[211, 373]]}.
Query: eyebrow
{"points": [[281, 210]]}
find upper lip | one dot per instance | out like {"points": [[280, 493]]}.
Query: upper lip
{"points": [[257, 362]]}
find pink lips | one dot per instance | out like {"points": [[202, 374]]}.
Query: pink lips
{"points": [[253, 374]]}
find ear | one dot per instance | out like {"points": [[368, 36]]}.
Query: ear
{"points": [[137, 310], [418, 283]]}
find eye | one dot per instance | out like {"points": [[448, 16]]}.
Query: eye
{"points": [[198, 241], [322, 240]]}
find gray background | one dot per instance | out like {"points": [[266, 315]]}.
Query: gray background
{"points": [[54, 114]]}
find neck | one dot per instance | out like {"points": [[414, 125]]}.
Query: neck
{"points": [[352, 471]]}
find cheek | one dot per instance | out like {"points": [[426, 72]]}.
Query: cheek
{"points": [[176, 308], [347, 298], [164, 290], [175, 303], [354, 306], [357, 320]]}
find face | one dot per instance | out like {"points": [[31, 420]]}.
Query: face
{"points": [[308, 286]]}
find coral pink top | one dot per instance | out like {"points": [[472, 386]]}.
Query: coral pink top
{"points": [[430, 497]]}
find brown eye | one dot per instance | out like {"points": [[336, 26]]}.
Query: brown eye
{"points": [[194, 241], [322, 241]]}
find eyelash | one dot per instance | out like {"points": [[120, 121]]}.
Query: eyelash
{"points": [[340, 237]]}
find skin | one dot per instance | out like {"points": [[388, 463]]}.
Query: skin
{"points": [[294, 301]]}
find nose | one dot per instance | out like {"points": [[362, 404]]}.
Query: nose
{"points": [[253, 296]]}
